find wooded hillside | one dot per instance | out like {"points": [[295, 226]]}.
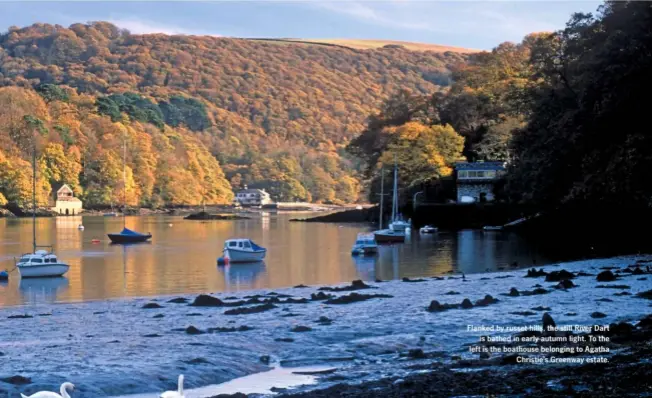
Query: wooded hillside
{"points": [[273, 116]]}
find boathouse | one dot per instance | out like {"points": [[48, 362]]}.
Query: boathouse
{"points": [[476, 180], [64, 201]]}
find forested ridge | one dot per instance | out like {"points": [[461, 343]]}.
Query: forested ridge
{"points": [[201, 116], [567, 110]]}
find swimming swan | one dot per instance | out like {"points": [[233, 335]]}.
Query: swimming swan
{"points": [[47, 394], [172, 394]]}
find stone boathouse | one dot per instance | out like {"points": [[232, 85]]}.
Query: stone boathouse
{"points": [[476, 180]]}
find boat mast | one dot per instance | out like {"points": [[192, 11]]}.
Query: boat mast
{"points": [[382, 196], [124, 182], [33, 193], [395, 197]]}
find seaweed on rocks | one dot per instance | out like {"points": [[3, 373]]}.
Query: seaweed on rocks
{"points": [[436, 306], [533, 273], [488, 299], [178, 300], [204, 300], [243, 328], [565, 284], [540, 308], [406, 279], [284, 339], [451, 292], [354, 298], [606, 276], [466, 304], [320, 296], [598, 315], [646, 294], [355, 285], [523, 313], [193, 330], [24, 316], [557, 276], [151, 306], [300, 328], [250, 310]]}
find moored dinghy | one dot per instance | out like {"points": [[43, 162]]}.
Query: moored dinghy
{"points": [[243, 251]]}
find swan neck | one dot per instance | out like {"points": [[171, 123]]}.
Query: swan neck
{"points": [[64, 392]]}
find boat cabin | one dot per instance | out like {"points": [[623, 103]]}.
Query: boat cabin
{"points": [[365, 239], [241, 244], [37, 258]]}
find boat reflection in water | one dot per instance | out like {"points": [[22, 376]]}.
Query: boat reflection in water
{"points": [[241, 276], [39, 290], [366, 267]]}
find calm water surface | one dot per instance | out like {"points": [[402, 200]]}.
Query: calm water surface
{"points": [[182, 256]]}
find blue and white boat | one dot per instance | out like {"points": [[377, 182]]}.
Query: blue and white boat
{"points": [[41, 264], [243, 251], [365, 244]]}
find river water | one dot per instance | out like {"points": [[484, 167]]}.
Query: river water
{"points": [[182, 256]]}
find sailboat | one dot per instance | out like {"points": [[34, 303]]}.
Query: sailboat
{"points": [[127, 235], [39, 263], [392, 234]]}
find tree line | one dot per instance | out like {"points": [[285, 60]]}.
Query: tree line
{"points": [[274, 115], [566, 110]]}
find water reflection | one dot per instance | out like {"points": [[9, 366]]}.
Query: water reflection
{"points": [[182, 259], [366, 267], [39, 290], [241, 275]]}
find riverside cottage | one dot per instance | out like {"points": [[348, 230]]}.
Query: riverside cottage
{"points": [[64, 201], [476, 180], [252, 197]]}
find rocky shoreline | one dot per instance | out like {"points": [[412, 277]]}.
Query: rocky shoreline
{"points": [[625, 374], [400, 338]]}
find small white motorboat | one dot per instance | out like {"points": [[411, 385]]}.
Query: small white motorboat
{"points": [[40, 264], [243, 251], [428, 229], [80, 227], [365, 244]]}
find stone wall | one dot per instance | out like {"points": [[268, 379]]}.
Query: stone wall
{"points": [[474, 191], [65, 207]]}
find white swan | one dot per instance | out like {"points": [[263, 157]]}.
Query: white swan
{"points": [[173, 394], [48, 394]]}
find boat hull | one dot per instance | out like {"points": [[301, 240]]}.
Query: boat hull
{"points": [[119, 238], [242, 256], [43, 271], [389, 237]]}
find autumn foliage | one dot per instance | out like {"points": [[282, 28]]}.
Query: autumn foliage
{"points": [[268, 114]]}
